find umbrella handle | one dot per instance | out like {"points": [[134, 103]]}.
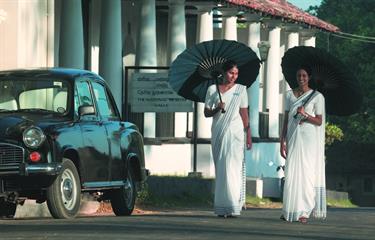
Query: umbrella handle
{"points": [[307, 100], [222, 110], [218, 91]]}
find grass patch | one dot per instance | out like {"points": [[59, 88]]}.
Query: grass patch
{"points": [[252, 201], [185, 192], [257, 201], [190, 199], [342, 203], [147, 198]]}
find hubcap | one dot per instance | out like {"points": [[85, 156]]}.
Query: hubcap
{"points": [[68, 188]]}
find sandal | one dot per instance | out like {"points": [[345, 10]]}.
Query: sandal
{"points": [[302, 220], [282, 218]]}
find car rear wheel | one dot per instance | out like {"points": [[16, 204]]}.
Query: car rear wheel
{"points": [[64, 195], [123, 199], [7, 209]]}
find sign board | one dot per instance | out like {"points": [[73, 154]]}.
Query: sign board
{"points": [[150, 92]]}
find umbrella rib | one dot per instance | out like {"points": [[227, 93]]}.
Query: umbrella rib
{"points": [[190, 73]]}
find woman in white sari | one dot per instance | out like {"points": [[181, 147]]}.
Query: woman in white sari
{"points": [[302, 145], [228, 141]]}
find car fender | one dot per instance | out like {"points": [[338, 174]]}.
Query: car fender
{"points": [[71, 153], [132, 151]]}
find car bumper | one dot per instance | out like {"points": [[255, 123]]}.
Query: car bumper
{"points": [[25, 169]]}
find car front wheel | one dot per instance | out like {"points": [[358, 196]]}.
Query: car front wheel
{"points": [[123, 199], [64, 195]]}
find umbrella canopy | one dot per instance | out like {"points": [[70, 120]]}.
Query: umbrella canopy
{"points": [[198, 67], [342, 92]]}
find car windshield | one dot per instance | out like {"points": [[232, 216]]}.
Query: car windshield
{"points": [[34, 95]]}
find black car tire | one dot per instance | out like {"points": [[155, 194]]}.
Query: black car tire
{"points": [[64, 195], [123, 199], [7, 209]]}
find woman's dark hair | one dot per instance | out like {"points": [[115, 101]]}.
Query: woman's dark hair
{"points": [[228, 65], [306, 68]]}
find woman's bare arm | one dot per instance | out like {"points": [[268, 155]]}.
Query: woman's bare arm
{"points": [[245, 117], [244, 113], [283, 150], [317, 120]]}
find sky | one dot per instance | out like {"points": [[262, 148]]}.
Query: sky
{"points": [[304, 4]]}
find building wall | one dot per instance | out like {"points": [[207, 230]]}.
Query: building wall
{"points": [[25, 34]]}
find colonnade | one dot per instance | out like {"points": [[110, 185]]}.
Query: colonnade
{"points": [[264, 94]]}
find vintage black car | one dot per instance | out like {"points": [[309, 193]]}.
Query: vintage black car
{"points": [[61, 135]]}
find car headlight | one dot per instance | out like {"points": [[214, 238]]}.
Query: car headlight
{"points": [[33, 137]]}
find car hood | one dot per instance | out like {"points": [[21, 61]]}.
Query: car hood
{"points": [[13, 126]]}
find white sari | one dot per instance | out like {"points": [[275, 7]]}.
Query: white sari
{"points": [[304, 188], [228, 146]]}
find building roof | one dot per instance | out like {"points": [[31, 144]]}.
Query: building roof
{"points": [[285, 10]]}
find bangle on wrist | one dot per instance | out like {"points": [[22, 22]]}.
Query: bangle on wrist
{"points": [[246, 128]]}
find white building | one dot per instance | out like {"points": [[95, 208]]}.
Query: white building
{"points": [[107, 35]]}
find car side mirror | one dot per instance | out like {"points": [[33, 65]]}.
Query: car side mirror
{"points": [[86, 110]]}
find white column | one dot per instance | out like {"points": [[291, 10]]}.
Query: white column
{"points": [[50, 33], [293, 39], [94, 35], [110, 51], [204, 33], [308, 37], [253, 91], [282, 83], [205, 24], [146, 52], [176, 45], [272, 81], [71, 50], [32, 33], [176, 29], [130, 11], [309, 41], [229, 25]]}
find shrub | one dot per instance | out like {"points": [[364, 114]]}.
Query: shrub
{"points": [[333, 133]]}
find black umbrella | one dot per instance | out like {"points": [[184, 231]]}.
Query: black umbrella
{"points": [[342, 92], [198, 67]]}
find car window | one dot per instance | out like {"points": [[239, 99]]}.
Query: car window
{"points": [[34, 95], [7, 101], [83, 94], [105, 107]]}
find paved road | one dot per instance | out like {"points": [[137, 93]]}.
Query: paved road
{"points": [[259, 224]]}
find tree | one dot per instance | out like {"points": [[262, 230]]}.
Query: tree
{"points": [[358, 18]]}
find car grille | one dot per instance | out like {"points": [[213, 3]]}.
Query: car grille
{"points": [[9, 185], [10, 154]]}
